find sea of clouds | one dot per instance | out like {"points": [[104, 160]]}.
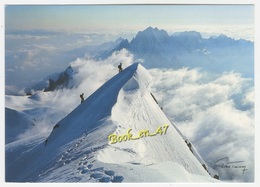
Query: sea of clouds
{"points": [[214, 111], [31, 55]]}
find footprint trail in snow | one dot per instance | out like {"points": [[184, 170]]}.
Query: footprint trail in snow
{"points": [[86, 163]]}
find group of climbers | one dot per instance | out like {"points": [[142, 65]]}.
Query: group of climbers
{"points": [[120, 68]]}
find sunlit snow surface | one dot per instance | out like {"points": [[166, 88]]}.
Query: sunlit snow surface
{"points": [[77, 150], [220, 105], [213, 107]]}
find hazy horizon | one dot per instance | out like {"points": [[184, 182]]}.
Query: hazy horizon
{"points": [[39, 37], [236, 21]]}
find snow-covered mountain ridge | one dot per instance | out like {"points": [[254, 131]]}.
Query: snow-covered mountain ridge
{"points": [[78, 149]]}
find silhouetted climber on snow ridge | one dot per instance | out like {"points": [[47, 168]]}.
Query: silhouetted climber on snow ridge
{"points": [[82, 97], [120, 67]]}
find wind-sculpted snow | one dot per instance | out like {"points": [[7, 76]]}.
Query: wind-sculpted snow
{"points": [[136, 109], [77, 150]]}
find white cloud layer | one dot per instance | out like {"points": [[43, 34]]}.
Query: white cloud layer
{"points": [[47, 108], [34, 54], [216, 112]]}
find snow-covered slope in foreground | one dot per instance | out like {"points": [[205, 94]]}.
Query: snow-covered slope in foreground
{"points": [[118, 134]]}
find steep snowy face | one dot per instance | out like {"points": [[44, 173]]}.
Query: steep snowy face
{"points": [[90, 117], [118, 130], [144, 135], [95, 108], [140, 133]]}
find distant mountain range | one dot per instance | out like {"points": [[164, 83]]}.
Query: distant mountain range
{"points": [[189, 49], [157, 49]]}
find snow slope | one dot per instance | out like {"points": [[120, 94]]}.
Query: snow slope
{"points": [[78, 148], [30, 115], [16, 124]]}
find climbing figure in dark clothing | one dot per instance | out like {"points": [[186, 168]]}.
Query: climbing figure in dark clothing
{"points": [[120, 67], [82, 97]]}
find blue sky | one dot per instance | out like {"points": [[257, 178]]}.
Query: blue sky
{"points": [[96, 18]]}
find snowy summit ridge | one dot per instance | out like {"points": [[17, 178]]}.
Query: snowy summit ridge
{"points": [[78, 148]]}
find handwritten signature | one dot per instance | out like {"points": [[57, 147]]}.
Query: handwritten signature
{"points": [[114, 138], [224, 163]]}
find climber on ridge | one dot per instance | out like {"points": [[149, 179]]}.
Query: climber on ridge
{"points": [[82, 97], [120, 67]]}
